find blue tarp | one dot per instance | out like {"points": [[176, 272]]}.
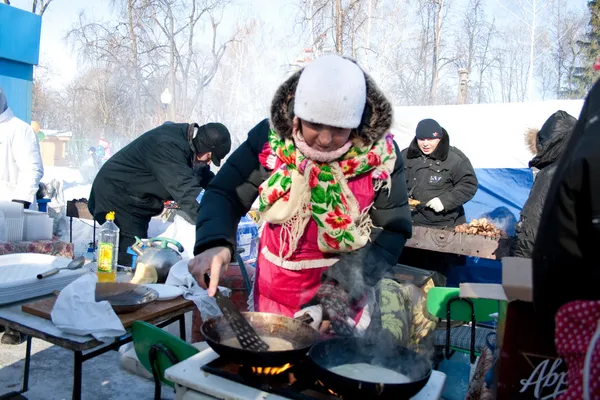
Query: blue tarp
{"points": [[501, 195]]}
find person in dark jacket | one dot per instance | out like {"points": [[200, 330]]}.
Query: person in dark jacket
{"points": [[162, 164], [550, 143], [332, 193], [439, 176], [565, 254]]}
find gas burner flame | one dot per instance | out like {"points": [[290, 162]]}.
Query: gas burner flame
{"points": [[329, 390], [270, 371]]}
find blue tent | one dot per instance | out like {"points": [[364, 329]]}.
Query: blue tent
{"points": [[500, 197]]}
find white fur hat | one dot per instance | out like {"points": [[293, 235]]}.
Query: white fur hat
{"points": [[331, 91]]}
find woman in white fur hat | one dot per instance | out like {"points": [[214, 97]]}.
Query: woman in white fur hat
{"points": [[332, 194]]}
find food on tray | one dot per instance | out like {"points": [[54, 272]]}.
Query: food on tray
{"points": [[413, 202], [275, 344], [480, 227], [144, 274], [370, 373]]}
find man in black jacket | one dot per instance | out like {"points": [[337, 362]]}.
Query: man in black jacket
{"points": [[565, 255], [550, 143], [439, 176], [170, 162]]}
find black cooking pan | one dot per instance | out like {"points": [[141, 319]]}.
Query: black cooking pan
{"points": [[342, 351], [301, 335]]}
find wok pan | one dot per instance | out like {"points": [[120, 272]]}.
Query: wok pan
{"points": [[301, 335], [341, 351]]}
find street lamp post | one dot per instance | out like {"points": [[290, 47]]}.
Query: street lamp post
{"points": [[165, 99]]}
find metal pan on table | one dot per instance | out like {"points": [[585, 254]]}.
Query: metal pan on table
{"points": [[125, 297], [299, 334], [344, 351]]}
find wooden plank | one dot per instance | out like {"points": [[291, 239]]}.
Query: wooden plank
{"points": [[447, 241], [153, 312], [78, 209]]}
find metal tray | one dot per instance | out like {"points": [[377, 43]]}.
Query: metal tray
{"points": [[125, 297]]}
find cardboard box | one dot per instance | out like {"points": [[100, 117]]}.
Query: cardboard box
{"points": [[517, 283], [528, 365]]}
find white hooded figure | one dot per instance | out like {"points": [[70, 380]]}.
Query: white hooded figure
{"points": [[21, 166]]}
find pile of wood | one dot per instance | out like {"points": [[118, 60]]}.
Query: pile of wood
{"points": [[480, 227]]}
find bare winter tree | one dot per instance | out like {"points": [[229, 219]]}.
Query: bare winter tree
{"points": [[343, 26], [38, 7], [530, 13], [473, 48], [153, 45]]}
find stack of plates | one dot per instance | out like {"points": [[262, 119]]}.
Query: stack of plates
{"points": [[18, 276], [13, 220]]}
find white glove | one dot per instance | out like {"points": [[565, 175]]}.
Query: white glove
{"points": [[316, 313], [435, 204]]}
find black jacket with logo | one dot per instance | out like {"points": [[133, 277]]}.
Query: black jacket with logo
{"points": [[155, 167], [447, 174]]}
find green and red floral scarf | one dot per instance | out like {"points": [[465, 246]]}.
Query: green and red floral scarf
{"points": [[299, 188]]}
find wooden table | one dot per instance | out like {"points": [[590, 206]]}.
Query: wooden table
{"points": [[159, 313]]}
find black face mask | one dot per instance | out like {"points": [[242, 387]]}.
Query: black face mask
{"points": [[199, 165], [200, 168]]}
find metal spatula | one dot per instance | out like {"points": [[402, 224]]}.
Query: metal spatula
{"points": [[75, 264], [244, 332]]}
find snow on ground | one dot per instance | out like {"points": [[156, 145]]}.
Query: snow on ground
{"points": [[51, 375]]}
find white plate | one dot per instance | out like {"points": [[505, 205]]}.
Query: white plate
{"points": [[21, 269], [18, 273], [165, 292]]}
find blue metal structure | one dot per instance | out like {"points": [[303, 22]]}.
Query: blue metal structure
{"points": [[20, 33]]}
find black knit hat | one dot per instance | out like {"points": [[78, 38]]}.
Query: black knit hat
{"points": [[429, 129], [213, 138]]}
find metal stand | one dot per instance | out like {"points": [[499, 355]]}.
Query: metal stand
{"points": [[80, 358], [449, 353]]}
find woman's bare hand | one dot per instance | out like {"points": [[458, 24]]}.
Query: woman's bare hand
{"points": [[216, 261]]}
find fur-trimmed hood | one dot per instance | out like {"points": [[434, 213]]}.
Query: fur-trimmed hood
{"points": [[376, 120], [551, 140], [440, 152], [531, 140]]}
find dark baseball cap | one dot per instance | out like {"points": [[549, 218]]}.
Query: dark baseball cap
{"points": [[429, 129], [213, 138]]}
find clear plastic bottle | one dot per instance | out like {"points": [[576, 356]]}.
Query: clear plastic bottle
{"points": [[108, 249]]}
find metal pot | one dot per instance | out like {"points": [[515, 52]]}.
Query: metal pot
{"points": [[158, 253]]}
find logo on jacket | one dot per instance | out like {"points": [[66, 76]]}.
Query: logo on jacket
{"points": [[435, 179]]}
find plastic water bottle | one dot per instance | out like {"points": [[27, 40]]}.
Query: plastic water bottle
{"points": [[108, 249], [90, 257]]}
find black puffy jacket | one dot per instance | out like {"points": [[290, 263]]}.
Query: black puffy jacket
{"points": [[234, 189], [555, 132], [565, 254], [447, 174], [155, 167]]}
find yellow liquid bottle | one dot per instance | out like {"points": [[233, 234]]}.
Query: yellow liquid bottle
{"points": [[108, 249]]}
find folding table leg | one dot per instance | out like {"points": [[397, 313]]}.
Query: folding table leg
{"points": [[77, 371], [27, 363]]}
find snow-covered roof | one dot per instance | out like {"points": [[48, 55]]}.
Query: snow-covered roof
{"points": [[491, 135], [57, 133]]}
